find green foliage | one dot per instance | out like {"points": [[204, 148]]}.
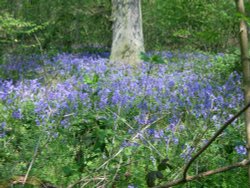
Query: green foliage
{"points": [[17, 36], [154, 59], [76, 25], [11, 26], [206, 25], [225, 64]]}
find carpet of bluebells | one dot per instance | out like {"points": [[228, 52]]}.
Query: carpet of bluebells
{"points": [[116, 124]]}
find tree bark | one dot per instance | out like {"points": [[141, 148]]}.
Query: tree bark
{"points": [[127, 42], [243, 37]]}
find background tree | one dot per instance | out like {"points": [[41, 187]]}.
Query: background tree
{"points": [[127, 40], [167, 24], [246, 71]]}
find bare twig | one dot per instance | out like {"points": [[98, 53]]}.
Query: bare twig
{"points": [[204, 174], [212, 140], [32, 161], [87, 181], [36, 152], [118, 168], [76, 183], [111, 158]]}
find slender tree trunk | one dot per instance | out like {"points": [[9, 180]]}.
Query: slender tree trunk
{"points": [[127, 40], [246, 73]]}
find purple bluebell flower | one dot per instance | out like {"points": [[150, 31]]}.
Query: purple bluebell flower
{"points": [[3, 125], [2, 129], [17, 114], [241, 150], [158, 134], [128, 144], [131, 186], [188, 150], [143, 118]]}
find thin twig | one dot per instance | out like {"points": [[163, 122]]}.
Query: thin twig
{"points": [[212, 140], [67, 115], [114, 156], [116, 126], [117, 170], [36, 152], [78, 182], [140, 133], [204, 174], [32, 161]]}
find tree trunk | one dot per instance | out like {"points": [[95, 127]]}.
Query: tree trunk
{"points": [[127, 42], [246, 73]]}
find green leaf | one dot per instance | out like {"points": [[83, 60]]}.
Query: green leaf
{"points": [[159, 175], [157, 59], [150, 178], [164, 165], [144, 57], [87, 79], [182, 33], [67, 171], [95, 78]]}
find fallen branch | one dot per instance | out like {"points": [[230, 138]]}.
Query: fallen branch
{"points": [[204, 174], [186, 178], [211, 140]]}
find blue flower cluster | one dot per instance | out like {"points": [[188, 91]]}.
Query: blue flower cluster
{"points": [[182, 87], [241, 150]]}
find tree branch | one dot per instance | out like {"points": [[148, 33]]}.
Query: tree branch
{"points": [[186, 178], [204, 174], [225, 125]]}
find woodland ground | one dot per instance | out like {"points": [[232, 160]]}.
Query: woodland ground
{"points": [[78, 116]]}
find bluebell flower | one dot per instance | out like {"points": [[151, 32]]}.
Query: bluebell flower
{"points": [[128, 144], [143, 118], [2, 129], [3, 125], [188, 150], [150, 132], [241, 150], [175, 140], [158, 134], [65, 123], [2, 134], [131, 186], [38, 123], [17, 114]]}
